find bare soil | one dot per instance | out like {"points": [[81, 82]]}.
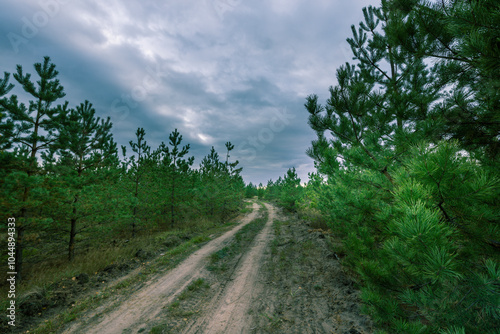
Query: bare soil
{"points": [[228, 310], [304, 287], [286, 280]]}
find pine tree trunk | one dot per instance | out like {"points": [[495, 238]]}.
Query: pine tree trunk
{"points": [[20, 236], [20, 228], [172, 201], [72, 233], [19, 249], [71, 248], [135, 206], [172, 206], [133, 222]]}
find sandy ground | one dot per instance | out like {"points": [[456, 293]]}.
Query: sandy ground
{"points": [[306, 289], [228, 311], [146, 303]]}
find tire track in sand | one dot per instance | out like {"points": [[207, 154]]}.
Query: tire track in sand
{"points": [[228, 311], [147, 302]]}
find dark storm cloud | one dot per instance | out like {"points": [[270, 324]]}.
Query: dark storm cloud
{"points": [[218, 70]]}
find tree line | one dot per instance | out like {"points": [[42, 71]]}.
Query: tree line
{"points": [[62, 177], [407, 159]]}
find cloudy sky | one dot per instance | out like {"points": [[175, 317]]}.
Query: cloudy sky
{"points": [[217, 70]]}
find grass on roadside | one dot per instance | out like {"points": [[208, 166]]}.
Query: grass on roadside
{"points": [[182, 308], [178, 307], [243, 238], [295, 255]]}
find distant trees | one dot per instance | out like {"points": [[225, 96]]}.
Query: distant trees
{"points": [[61, 178], [250, 190], [221, 181], [287, 191], [415, 208]]}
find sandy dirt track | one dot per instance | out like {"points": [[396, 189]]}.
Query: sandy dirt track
{"points": [[146, 303], [228, 311]]}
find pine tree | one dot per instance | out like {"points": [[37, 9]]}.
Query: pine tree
{"points": [[85, 145], [250, 190], [232, 183], [34, 129], [260, 191], [374, 113], [7, 159], [6, 124], [176, 167], [291, 190], [272, 189], [136, 169], [211, 169], [416, 214]]}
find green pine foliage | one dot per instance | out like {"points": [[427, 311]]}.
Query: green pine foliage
{"points": [[286, 191], [6, 123], [291, 190], [462, 36], [406, 152], [35, 127], [251, 190], [174, 169], [222, 184], [84, 148], [135, 169]]}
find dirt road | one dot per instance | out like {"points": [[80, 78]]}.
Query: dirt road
{"points": [[146, 303], [228, 311], [284, 278]]}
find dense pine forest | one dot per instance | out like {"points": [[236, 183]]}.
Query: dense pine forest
{"points": [[407, 160], [407, 157]]}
